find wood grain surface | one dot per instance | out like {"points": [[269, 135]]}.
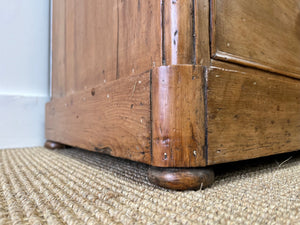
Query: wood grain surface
{"points": [[113, 118], [186, 32], [202, 38], [187, 107], [139, 36], [251, 113], [179, 32], [178, 137], [97, 41], [262, 34], [58, 48]]}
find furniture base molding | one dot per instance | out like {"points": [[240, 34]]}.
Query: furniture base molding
{"points": [[181, 179], [53, 145]]}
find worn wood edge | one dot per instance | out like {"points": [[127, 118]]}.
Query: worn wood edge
{"points": [[53, 145], [68, 119], [178, 116], [263, 150], [58, 84], [181, 179], [212, 27], [202, 32], [227, 57]]}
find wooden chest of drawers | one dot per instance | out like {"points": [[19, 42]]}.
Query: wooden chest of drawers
{"points": [[180, 85]]}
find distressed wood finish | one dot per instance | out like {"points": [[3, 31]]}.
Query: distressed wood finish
{"points": [[250, 113], [179, 32], [152, 81], [85, 55], [178, 138], [181, 179], [185, 28], [91, 53], [82, 53], [139, 36], [113, 118], [202, 41], [262, 34]]}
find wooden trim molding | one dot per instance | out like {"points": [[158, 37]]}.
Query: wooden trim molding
{"points": [[227, 57]]}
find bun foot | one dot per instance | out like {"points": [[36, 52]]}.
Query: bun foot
{"points": [[181, 179], [53, 145]]}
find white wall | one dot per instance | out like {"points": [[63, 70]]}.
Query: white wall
{"points": [[24, 71]]}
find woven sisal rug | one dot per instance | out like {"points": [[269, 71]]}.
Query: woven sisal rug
{"points": [[72, 186]]}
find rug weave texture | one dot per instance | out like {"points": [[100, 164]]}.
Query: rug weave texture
{"points": [[73, 186]]}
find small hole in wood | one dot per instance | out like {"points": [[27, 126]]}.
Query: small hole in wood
{"points": [[93, 92], [165, 156]]}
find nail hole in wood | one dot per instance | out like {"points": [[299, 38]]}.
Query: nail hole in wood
{"points": [[165, 156], [93, 91]]}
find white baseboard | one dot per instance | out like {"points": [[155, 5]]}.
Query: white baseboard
{"points": [[22, 121]]}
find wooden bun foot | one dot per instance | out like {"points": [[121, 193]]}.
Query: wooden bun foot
{"points": [[53, 145], [181, 178]]}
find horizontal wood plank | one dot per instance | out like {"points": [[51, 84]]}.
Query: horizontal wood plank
{"points": [[250, 113], [113, 118]]}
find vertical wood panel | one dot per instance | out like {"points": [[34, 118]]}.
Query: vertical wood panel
{"points": [[58, 48], [84, 44], [95, 42], [202, 32], [70, 47], [139, 46], [99, 41]]}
